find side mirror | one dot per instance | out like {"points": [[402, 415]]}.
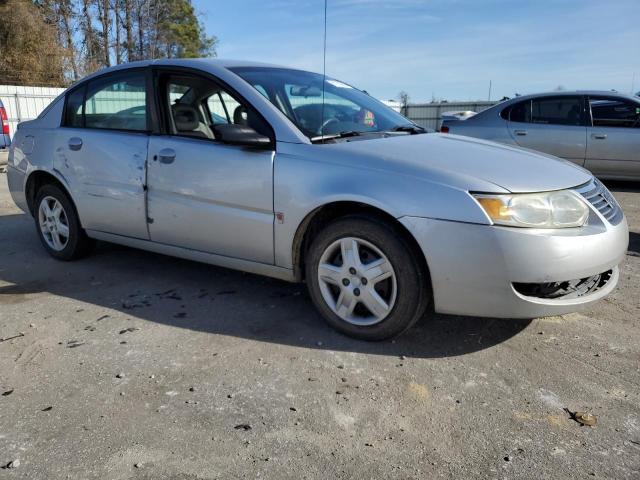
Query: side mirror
{"points": [[241, 135]]}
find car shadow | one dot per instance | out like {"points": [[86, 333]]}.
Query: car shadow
{"points": [[634, 243], [199, 297]]}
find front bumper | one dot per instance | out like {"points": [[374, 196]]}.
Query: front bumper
{"points": [[474, 267]]}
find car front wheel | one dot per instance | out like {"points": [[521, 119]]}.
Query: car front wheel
{"points": [[365, 279]]}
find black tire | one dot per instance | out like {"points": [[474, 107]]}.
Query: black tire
{"points": [[413, 287], [78, 244]]}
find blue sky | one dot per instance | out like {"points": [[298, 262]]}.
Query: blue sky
{"points": [[447, 48]]}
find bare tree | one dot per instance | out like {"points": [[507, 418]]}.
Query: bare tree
{"points": [[104, 17], [90, 34], [128, 28], [66, 15], [403, 97], [115, 8]]}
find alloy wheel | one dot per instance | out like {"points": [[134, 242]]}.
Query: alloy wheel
{"points": [[54, 223], [357, 281]]}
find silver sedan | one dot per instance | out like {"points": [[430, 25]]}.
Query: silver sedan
{"points": [[290, 174], [597, 130]]}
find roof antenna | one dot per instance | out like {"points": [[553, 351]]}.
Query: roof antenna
{"points": [[324, 70]]}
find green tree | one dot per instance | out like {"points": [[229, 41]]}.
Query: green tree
{"points": [[180, 33]]}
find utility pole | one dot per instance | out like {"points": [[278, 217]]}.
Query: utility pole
{"points": [[489, 91]]}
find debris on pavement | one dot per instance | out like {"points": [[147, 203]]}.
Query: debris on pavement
{"points": [[6, 339], [243, 426], [170, 294], [583, 418], [13, 464], [127, 330], [7, 393]]}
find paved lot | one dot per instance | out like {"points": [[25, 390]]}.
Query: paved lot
{"points": [[228, 375]]}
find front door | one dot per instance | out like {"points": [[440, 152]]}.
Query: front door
{"points": [[101, 150], [613, 139], [203, 194], [552, 125]]}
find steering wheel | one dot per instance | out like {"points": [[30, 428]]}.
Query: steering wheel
{"points": [[329, 121]]}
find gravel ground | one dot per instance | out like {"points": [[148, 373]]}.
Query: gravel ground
{"points": [[134, 365]]}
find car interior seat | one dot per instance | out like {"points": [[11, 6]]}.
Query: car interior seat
{"points": [[187, 121]]}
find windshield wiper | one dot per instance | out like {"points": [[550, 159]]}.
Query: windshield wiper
{"points": [[412, 129], [346, 134]]}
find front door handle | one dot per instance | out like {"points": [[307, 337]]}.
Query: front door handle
{"points": [[75, 143], [599, 136], [520, 133], [167, 155]]}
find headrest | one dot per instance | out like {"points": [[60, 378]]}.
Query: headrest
{"points": [[185, 117]]}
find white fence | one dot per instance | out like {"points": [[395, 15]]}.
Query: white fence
{"points": [[429, 115], [25, 103]]}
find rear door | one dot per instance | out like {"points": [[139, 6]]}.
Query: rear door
{"points": [[203, 194], [613, 137], [101, 149], [553, 125]]}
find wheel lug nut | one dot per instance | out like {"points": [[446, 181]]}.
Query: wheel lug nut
{"points": [[356, 292], [352, 271], [363, 280], [345, 281]]}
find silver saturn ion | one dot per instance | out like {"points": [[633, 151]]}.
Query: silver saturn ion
{"points": [[286, 173], [597, 130]]}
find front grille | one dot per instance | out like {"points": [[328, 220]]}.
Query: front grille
{"points": [[598, 196], [568, 289]]}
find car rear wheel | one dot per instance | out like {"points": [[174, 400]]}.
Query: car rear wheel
{"points": [[365, 279], [58, 225]]}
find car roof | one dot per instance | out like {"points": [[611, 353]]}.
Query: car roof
{"points": [[562, 93], [185, 62]]}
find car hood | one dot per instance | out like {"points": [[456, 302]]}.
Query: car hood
{"points": [[463, 162]]}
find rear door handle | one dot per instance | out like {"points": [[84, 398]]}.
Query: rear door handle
{"points": [[599, 136], [75, 143], [167, 155], [520, 133]]}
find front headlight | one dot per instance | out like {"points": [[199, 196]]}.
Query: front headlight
{"points": [[560, 209]]}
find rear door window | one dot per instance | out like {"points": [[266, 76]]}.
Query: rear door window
{"points": [[614, 112], [557, 110], [74, 108], [117, 102], [519, 112]]}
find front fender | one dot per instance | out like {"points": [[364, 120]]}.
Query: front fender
{"points": [[302, 185]]}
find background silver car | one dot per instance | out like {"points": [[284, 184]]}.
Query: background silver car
{"points": [[598, 130], [285, 173]]}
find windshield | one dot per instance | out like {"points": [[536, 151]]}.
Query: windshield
{"points": [[299, 95]]}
